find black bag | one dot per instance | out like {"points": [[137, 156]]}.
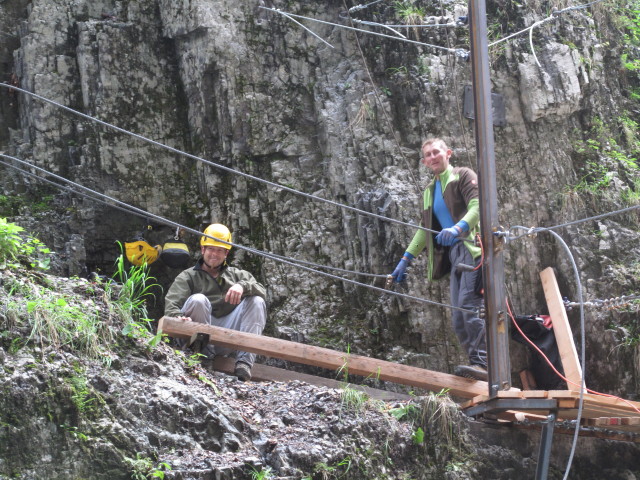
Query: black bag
{"points": [[175, 255], [543, 337]]}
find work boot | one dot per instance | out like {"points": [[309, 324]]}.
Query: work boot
{"points": [[477, 372], [198, 342], [242, 371]]}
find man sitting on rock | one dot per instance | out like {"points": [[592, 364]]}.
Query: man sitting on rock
{"points": [[214, 293]]}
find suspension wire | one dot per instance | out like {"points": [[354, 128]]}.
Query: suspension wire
{"points": [[535, 230], [307, 29], [217, 165], [582, 344], [272, 255], [421, 25], [461, 52], [416, 183], [609, 303], [459, 109], [540, 22], [362, 7], [148, 215], [376, 24], [99, 200]]}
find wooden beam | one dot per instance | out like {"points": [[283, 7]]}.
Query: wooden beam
{"points": [[562, 330], [263, 373], [326, 358]]}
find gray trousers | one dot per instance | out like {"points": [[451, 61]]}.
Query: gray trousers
{"points": [[249, 316], [468, 327]]}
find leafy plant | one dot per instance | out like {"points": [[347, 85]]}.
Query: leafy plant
{"points": [[83, 398], [265, 473], [327, 471], [409, 13], [74, 432], [55, 320], [130, 289], [142, 468], [15, 246], [408, 412], [418, 436], [352, 399]]}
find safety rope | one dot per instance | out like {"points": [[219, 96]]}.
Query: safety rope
{"points": [[171, 223], [416, 184], [530, 28], [583, 387], [216, 165], [458, 51], [355, 8], [609, 303], [532, 231]]}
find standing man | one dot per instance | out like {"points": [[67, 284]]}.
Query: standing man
{"points": [[214, 293], [451, 206]]}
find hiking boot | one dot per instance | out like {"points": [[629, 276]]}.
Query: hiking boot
{"points": [[242, 371], [198, 342], [477, 372]]}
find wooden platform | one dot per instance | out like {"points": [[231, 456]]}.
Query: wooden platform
{"points": [[607, 413]]}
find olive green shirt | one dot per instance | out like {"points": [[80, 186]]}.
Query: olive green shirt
{"points": [[196, 280]]}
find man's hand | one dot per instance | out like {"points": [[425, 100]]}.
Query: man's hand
{"points": [[448, 236], [400, 273], [234, 295], [184, 319]]}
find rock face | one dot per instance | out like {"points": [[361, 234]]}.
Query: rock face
{"points": [[247, 89], [124, 410]]}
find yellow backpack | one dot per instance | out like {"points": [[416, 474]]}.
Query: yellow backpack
{"points": [[140, 252]]}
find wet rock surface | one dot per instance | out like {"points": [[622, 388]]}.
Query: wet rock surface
{"points": [[135, 410]]}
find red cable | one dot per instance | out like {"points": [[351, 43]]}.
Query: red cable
{"points": [[513, 320]]}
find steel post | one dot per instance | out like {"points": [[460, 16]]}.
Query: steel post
{"points": [[545, 447], [493, 269]]}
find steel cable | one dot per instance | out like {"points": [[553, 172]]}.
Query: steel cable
{"points": [[171, 223]]}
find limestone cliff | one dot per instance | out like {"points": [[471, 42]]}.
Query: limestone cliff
{"points": [[249, 89]]}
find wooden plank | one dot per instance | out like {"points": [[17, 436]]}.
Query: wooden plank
{"points": [[527, 379], [525, 394], [562, 330], [268, 373], [326, 358]]}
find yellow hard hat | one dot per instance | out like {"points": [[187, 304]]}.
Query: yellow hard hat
{"points": [[219, 231]]}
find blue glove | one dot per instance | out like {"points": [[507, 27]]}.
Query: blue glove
{"points": [[400, 273], [449, 236]]}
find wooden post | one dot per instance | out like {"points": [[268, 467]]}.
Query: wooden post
{"points": [[562, 330], [326, 358]]}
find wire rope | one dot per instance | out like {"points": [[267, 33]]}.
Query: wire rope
{"points": [[355, 8], [540, 22], [416, 183], [217, 165], [535, 230], [582, 344], [278, 258], [460, 51]]}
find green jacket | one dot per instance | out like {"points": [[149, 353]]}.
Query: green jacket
{"points": [[460, 193], [195, 280]]}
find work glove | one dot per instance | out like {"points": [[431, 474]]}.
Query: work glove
{"points": [[400, 273], [449, 236]]}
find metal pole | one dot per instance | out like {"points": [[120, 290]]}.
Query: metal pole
{"points": [[544, 454], [493, 269]]}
